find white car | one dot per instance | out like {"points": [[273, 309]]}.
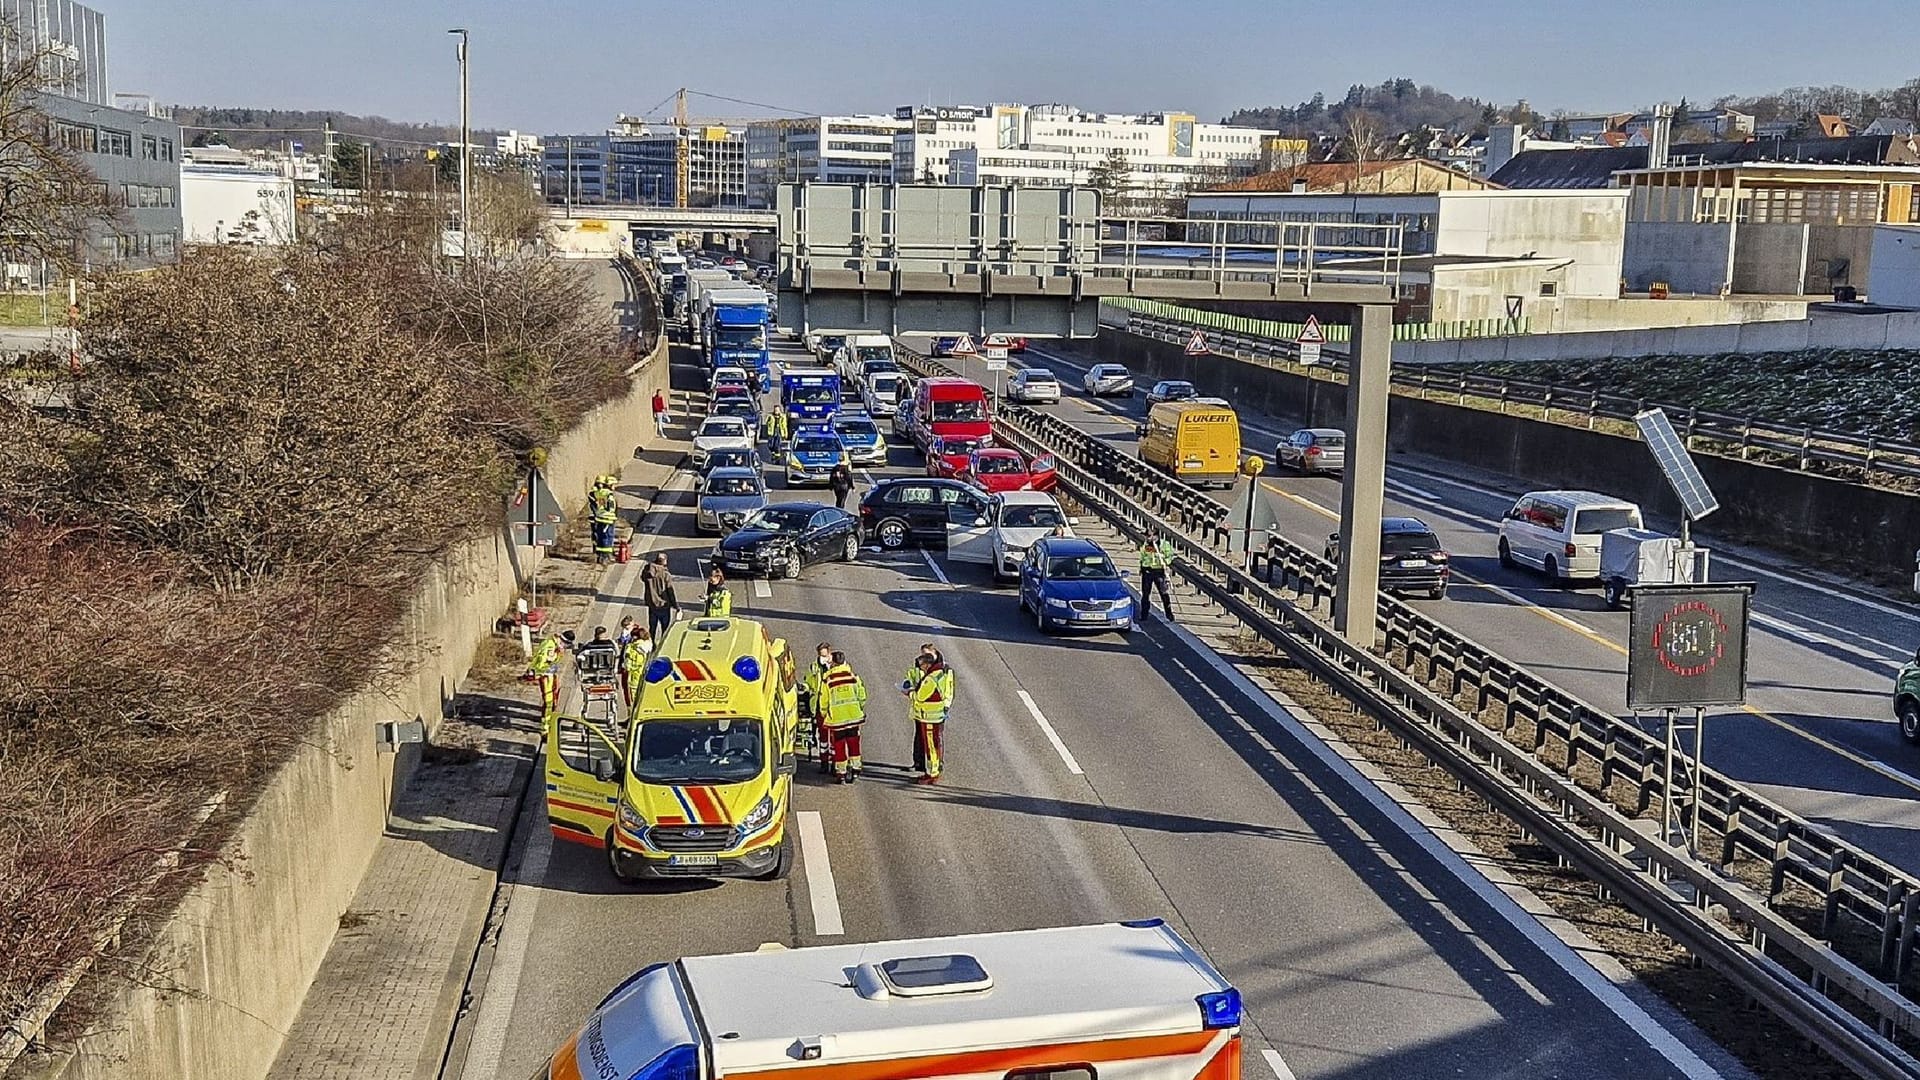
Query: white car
{"points": [[728, 373], [719, 432], [882, 393], [1032, 386], [1001, 534], [1104, 379]]}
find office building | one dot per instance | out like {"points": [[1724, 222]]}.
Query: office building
{"points": [[634, 164], [829, 149], [137, 158], [74, 36]]}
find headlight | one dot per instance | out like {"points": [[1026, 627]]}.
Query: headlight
{"points": [[1056, 602], [795, 463], [630, 819], [1123, 604], [758, 816]]}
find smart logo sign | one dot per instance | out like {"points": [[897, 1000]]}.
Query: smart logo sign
{"points": [[1689, 646]]}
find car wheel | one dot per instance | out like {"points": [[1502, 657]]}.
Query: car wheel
{"points": [[613, 863], [1022, 597], [1040, 616], [793, 567], [1909, 712], [1613, 591], [892, 534], [1551, 568], [852, 550], [783, 862], [1438, 592], [1506, 554]]}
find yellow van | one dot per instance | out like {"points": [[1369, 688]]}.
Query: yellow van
{"points": [[699, 782], [1198, 442]]}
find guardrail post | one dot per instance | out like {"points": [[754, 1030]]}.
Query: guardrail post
{"points": [[1806, 447], [1593, 407], [1746, 438], [1692, 419]]}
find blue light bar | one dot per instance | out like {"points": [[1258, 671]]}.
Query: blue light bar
{"points": [[1220, 1009], [659, 668], [747, 668]]}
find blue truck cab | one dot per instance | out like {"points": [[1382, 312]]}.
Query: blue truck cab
{"points": [[811, 396], [736, 334]]}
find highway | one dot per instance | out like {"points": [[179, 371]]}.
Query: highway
{"points": [[1817, 735], [1089, 779]]}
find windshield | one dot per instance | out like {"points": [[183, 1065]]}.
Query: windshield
{"points": [[861, 429], [723, 429], [958, 446], [815, 444], [720, 750], [1035, 375], [1031, 517], [883, 386], [831, 342], [812, 395], [873, 352], [778, 519], [1331, 442], [733, 485], [959, 410], [742, 337], [1002, 466], [1081, 568], [1178, 389], [1601, 520]]}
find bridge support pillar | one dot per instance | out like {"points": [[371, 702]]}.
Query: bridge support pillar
{"points": [[1363, 485]]}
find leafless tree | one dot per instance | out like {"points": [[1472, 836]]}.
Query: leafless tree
{"points": [[49, 199]]}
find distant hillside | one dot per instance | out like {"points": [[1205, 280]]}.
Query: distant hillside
{"points": [[1398, 104], [261, 128]]}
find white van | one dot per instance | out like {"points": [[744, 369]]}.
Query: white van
{"points": [[1558, 532]]}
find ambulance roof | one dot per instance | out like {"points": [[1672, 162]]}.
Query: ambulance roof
{"points": [[1076, 983], [697, 669]]}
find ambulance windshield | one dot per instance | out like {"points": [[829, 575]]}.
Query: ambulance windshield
{"points": [[702, 750]]}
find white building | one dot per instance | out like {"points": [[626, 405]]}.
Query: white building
{"points": [[514, 144], [1059, 145], [830, 149], [231, 197]]}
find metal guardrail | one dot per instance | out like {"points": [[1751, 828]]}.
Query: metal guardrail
{"points": [[1580, 780], [1720, 434]]}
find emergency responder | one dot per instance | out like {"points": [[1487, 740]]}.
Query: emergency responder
{"points": [[810, 698], [605, 513], [913, 669], [544, 666], [775, 429], [929, 701], [719, 597], [1156, 555], [845, 709], [635, 653]]}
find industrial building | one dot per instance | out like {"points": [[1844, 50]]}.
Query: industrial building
{"points": [[1059, 146], [635, 164], [829, 149], [1396, 176], [74, 36], [1466, 255], [231, 197]]}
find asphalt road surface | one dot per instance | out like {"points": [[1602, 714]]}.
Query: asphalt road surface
{"points": [[1090, 779], [1817, 735]]}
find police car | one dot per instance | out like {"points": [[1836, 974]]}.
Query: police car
{"points": [[812, 454], [862, 438]]}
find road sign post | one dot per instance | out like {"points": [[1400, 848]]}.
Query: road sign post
{"points": [[996, 356], [1310, 339], [1251, 469], [1687, 651], [1197, 344]]}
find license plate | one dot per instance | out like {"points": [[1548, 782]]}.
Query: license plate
{"points": [[693, 860], [1413, 563], [1091, 616]]}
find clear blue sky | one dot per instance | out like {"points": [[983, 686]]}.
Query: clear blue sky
{"points": [[569, 65]]}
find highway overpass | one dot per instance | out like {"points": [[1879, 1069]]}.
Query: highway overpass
{"points": [[681, 219]]}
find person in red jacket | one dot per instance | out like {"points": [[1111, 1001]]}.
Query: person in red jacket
{"points": [[660, 413]]}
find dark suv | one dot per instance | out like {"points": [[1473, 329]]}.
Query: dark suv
{"points": [[1411, 558], [913, 509]]}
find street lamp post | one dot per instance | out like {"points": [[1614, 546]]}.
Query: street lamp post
{"points": [[466, 205]]}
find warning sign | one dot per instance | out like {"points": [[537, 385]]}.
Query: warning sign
{"points": [[1310, 339], [964, 347], [1197, 344]]}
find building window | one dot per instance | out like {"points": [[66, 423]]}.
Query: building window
{"points": [[166, 149], [77, 137], [1549, 288], [117, 143], [149, 148]]}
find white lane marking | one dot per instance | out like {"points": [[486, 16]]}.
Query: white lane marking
{"points": [[820, 890], [489, 1042], [1053, 736], [1280, 1070], [1545, 612], [1558, 952], [935, 567], [1813, 637], [761, 590], [1418, 493]]}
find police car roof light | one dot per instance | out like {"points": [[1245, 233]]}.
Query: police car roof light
{"points": [[1220, 1009]]}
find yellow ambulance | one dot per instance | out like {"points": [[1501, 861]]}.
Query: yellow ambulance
{"points": [[1196, 441], [699, 781]]}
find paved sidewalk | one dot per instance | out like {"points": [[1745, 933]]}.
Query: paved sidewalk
{"points": [[384, 1004]]}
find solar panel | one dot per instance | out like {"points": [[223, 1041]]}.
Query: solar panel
{"points": [[1670, 453]]}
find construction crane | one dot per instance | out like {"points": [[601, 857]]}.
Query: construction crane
{"points": [[682, 153]]}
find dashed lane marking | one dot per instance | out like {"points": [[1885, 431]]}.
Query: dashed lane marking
{"points": [[821, 895], [934, 565], [761, 589], [1053, 736]]}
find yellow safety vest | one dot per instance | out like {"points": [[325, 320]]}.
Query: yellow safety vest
{"points": [[546, 653], [719, 602], [933, 696], [846, 697], [1155, 556], [606, 511], [635, 656]]}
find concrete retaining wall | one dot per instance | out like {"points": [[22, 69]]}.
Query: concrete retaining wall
{"points": [[247, 941], [1899, 330], [1782, 509]]}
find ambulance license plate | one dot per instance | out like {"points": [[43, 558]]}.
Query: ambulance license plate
{"points": [[693, 860]]}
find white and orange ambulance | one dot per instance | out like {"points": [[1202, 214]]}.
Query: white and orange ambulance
{"points": [[1115, 1001]]}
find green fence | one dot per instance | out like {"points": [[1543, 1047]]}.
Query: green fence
{"points": [[1335, 333]]}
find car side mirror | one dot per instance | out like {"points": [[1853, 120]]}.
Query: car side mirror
{"points": [[1073, 522], [789, 764], [606, 770], [979, 522]]}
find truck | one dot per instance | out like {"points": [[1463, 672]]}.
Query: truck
{"points": [[673, 280], [735, 325], [811, 396], [1125, 1000], [699, 283]]}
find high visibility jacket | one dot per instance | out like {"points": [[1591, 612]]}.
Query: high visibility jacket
{"points": [[814, 682], [777, 424], [932, 696], [846, 700], [1156, 555], [546, 653], [719, 602], [603, 507], [634, 657]]}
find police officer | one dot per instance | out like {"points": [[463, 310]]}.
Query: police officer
{"points": [[929, 701], [1156, 555], [605, 513], [543, 665], [844, 710], [719, 597]]}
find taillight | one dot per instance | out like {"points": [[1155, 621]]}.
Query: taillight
{"points": [[1438, 556], [1313, 451]]}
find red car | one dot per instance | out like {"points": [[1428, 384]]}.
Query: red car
{"points": [[950, 456], [1001, 469]]}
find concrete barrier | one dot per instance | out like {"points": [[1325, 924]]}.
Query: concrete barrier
{"points": [[1782, 509], [240, 951]]}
